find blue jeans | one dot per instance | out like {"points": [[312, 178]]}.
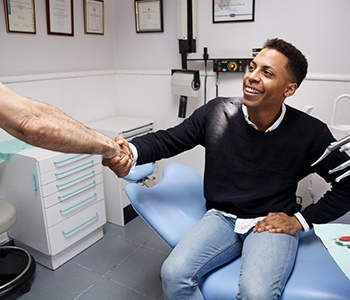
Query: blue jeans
{"points": [[267, 259]]}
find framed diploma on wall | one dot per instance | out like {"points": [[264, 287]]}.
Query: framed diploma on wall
{"points": [[233, 11], [149, 16], [94, 16], [60, 17], [20, 16]]}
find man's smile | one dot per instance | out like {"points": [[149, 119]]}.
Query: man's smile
{"points": [[252, 90]]}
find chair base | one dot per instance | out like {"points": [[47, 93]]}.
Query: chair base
{"points": [[17, 268]]}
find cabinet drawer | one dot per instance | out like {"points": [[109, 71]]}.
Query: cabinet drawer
{"points": [[71, 230], [70, 169], [63, 210], [70, 182], [58, 160], [71, 192]]}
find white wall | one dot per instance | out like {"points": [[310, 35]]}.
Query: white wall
{"points": [[317, 27], [40, 53]]}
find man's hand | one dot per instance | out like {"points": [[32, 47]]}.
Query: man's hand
{"points": [[279, 222], [122, 164], [124, 147]]}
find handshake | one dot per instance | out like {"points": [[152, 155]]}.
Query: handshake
{"points": [[122, 163]]}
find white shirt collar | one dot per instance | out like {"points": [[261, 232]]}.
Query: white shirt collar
{"points": [[273, 126]]}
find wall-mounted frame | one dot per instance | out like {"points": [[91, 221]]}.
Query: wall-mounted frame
{"points": [[20, 16], [149, 16], [94, 16], [60, 17], [233, 11]]}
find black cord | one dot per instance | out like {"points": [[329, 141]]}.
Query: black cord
{"points": [[205, 57], [205, 81], [217, 84]]}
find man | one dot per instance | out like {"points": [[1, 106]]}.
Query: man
{"points": [[42, 125], [257, 149]]}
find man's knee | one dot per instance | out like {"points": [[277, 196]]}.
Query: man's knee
{"points": [[166, 272], [251, 291], [255, 289], [172, 271]]}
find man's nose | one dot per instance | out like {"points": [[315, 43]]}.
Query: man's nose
{"points": [[253, 76]]}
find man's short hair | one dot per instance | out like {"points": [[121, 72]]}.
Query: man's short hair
{"points": [[297, 63]]}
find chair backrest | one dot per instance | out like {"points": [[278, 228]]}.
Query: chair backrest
{"points": [[172, 206]]}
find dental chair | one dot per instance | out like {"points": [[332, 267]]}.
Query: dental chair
{"points": [[17, 266], [172, 206]]}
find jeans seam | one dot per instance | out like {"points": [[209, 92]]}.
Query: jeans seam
{"points": [[278, 290], [210, 259]]}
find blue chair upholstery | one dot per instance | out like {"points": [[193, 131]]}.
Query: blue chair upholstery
{"points": [[138, 173], [172, 206]]}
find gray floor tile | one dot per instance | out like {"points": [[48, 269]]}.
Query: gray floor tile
{"points": [[67, 282], [141, 272], [106, 254], [109, 290], [136, 230], [156, 243]]}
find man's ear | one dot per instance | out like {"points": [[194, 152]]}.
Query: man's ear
{"points": [[290, 89]]}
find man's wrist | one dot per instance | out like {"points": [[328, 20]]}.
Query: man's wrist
{"points": [[111, 149], [304, 225], [134, 153]]}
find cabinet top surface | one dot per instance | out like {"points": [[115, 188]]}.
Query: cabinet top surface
{"points": [[118, 124]]}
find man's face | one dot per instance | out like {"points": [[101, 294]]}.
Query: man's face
{"points": [[267, 82]]}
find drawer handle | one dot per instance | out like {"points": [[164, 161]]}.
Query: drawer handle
{"points": [[79, 203], [80, 226], [77, 191], [57, 163], [91, 162], [35, 179], [76, 179]]}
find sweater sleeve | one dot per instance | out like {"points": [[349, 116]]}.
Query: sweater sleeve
{"points": [[335, 202], [167, 143]]}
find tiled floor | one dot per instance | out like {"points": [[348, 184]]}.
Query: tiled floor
{"points": [[123, 265]]}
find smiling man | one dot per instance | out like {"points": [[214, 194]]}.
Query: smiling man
{"points": [[257, 149]]}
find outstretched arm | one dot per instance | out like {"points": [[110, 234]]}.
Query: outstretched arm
{"points": [[45, 126]]}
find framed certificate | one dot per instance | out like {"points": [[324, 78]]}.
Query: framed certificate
{"points": [[233, 11], [149, 16], [94, 16], [20, 16], [60, 17]]}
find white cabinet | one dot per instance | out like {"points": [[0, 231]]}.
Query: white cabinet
{"points": [[59, 200], [119, 210]]}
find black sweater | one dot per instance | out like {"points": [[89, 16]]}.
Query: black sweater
{"points": [[250, 173]]}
